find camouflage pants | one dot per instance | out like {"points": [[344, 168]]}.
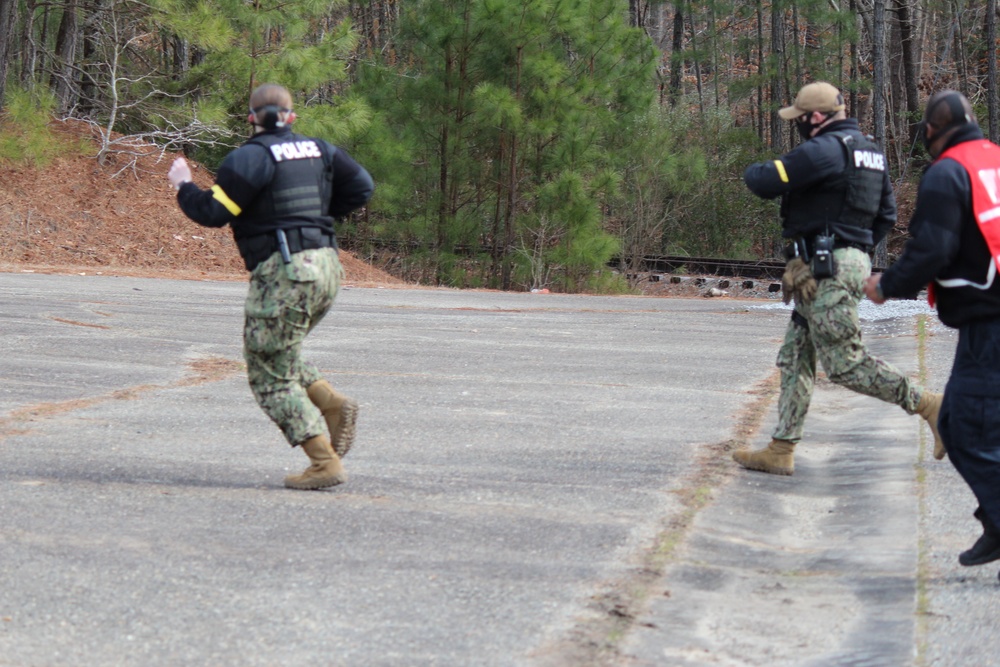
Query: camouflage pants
{"points": [[283, 305], [834, 335]]}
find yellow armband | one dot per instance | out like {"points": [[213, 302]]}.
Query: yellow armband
{"points": [[782, 174], [221, 197]]}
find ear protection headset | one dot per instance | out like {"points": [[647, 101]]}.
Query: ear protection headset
{"points": [[959, 117], [267, 116]]}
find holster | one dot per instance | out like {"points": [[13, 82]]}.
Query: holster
{"points": [[797, 247]]}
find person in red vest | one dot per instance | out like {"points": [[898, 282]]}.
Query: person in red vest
{"points": [[954, 247]]}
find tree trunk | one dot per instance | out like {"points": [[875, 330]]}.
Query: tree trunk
{"points": [[443, 160], [88, 91], [961, 59], [634, 14], [797, 57], [878, 71], [761, 66], [878, 98], [28, 50], [676, 59], [63, 78], [374, 21], [496, 249], [8, 14], [716, 75], [777, 81], [697, 66], [181, 60], [854, 75], [510, 214], [910, 73]]}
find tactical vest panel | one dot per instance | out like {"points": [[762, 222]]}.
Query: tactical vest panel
{"points": [[866, 168], [299, 192], [849, 199]]}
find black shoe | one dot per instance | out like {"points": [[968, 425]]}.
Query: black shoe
{"points": [[985, 550], [987, 547]]}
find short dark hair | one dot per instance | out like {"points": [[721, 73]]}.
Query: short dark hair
{"points": [[271, 94]]}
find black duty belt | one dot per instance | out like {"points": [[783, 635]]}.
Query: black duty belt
{"points": [[256, 249], [808, 246]]}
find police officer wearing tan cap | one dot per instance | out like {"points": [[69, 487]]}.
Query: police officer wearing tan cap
{"points": [[836, 204]]}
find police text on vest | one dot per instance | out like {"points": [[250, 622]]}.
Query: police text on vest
{"points": [[295, 150], [869, 160]]}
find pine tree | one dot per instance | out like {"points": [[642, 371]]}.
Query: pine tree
{"points": [[513, 110], [241, 45]]}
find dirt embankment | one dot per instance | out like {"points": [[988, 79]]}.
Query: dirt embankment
{"points": [[76, 216]]}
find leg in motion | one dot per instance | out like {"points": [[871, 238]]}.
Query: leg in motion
{"points": [[325, 469], [970, 424], [797, 362], [340, 413]]}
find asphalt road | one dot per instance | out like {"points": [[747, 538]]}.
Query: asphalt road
{"points": [[537, 480]]}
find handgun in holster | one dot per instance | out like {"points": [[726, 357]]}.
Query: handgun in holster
{"points": [[286, 255], [796, 248]]}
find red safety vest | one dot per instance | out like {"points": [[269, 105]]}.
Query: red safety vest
{"points": [[981, 159]]}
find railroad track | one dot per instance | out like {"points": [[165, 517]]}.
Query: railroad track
{"points": [[728, 268], [761, 269], [767, 269]]}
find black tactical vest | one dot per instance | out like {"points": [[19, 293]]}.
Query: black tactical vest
{"points": [[850, 199], [299, 193], [296, 201]]}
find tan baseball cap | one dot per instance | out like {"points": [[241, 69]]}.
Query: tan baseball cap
{"points": [[819, 96]]}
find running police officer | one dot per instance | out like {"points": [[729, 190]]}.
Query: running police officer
{"points": [[954, 245], [280, 193], [836, 203]]}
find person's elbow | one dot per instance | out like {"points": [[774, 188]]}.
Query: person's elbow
{"points": [[760, 181], [354, 196], [365, 187], [361, 190]]}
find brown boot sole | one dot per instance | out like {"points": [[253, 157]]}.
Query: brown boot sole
{"points": [[348, 421], [750, 464]]}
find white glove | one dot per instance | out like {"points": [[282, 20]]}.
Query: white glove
{"points": [[180, 173]]}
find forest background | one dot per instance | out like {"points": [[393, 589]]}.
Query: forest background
{"points": [[515, 145]]}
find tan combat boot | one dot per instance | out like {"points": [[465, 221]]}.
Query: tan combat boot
{"points": [[929, 408], [776, 458], [340, 413], [325, 470]]}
